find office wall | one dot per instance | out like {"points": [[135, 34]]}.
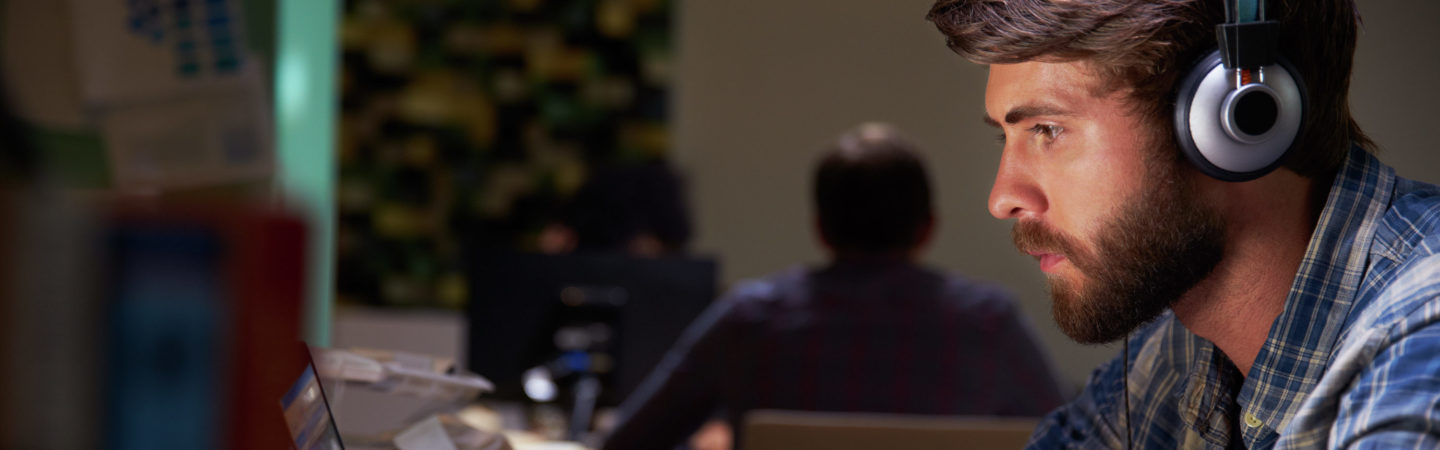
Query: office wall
{"points": [[762, 84]]}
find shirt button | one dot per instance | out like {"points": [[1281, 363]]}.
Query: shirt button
{"points": [[1252, 421]]}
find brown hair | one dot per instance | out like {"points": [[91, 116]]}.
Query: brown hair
{"points": [[871, 191], [1148, 46]]}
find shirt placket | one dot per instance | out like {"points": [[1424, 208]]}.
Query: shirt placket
{"points": [[1209, 408]]}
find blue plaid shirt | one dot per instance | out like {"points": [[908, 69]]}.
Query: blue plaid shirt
{"points": [[1352, 362]]}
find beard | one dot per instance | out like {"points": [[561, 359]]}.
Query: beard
{"points": [[1158, 247]]}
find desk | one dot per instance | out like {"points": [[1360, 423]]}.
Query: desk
{"points": [[777, 430]]}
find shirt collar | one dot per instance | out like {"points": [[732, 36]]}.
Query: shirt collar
{"points": [[1298, 347]]}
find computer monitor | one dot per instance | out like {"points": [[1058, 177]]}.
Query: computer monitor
{"points": [[638, 306]]}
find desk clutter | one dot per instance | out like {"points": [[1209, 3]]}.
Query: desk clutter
{"points": [[563, 338], [145, 326], [157, 325], [311, 420]]}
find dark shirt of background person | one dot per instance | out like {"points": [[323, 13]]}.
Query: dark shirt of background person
{"points": [[872, 331]]}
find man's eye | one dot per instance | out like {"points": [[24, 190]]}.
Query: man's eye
{"points": [[1050, 132], [1000, 138]]}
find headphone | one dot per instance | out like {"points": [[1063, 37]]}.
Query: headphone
{"points": [[1239, 109]]}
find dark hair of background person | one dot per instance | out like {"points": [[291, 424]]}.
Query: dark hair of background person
{"points": [[619, 203], [1149, 46], [872, 193]]}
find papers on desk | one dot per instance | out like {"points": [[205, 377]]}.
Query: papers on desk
{"points": [[428, 434], [402, 373]]}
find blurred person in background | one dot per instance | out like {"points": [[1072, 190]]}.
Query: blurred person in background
{"points": [[871, 331], [638, 210]]}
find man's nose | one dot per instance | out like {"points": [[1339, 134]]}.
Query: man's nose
{"points": [[1015, 192]]}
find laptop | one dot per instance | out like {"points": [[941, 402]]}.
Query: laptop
{"points": [[307, 411]]}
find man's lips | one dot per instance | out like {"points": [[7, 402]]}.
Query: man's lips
{"points": [[1048, 261]]}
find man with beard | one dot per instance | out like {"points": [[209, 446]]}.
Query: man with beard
{"points": [[872, 331], [1293, 308]]}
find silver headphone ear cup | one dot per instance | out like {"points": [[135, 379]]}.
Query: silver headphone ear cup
{"points": [[1204, 111]]}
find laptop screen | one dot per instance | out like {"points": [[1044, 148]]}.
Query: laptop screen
{"points": [[307, 413]]}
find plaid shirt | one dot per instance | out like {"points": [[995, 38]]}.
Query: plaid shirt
{"points": [[873, 336], [1352, 362]]}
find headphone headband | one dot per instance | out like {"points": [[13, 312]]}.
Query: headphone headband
{"points": [[1247, 40], [1243, 11], [1240, 109]]}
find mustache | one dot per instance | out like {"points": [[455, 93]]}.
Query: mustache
{"points": [[1035, 237]]}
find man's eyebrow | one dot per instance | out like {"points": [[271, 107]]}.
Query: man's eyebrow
{"points": [[1023, 112], [989, 121]]}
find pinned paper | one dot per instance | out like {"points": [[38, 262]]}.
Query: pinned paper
{"points": [[147, 50], [178, 99], [211, 137]]}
